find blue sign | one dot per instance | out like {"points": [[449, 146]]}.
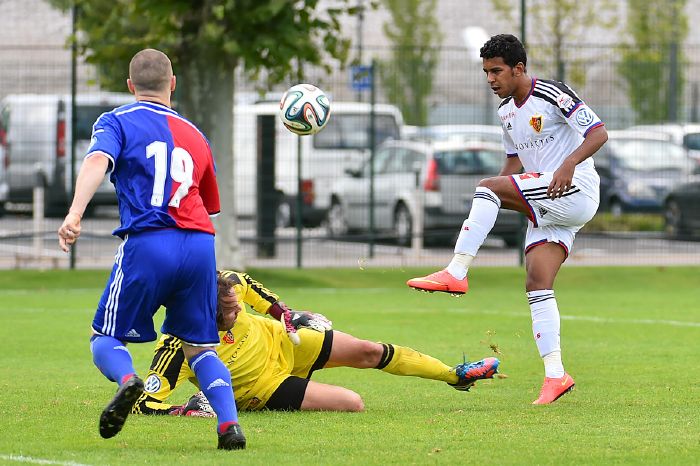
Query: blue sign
{"points": [[360, 77]]}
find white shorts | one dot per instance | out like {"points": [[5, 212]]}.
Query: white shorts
{"points": [[552, 220]]}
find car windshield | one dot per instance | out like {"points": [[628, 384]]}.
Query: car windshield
{"points": [[692, 141], [648, 155], [351, 131], [87, 114], [469, 161]]}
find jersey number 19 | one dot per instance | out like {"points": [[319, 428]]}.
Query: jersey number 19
{"points": [[181, 169]]}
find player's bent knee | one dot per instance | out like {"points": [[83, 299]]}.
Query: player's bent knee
{"points": [[489, 183]]}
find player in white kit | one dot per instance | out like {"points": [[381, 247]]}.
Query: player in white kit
{"points": [[549, 135]]}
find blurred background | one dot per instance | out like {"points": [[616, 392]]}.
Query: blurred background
{"points": [[413, 128]]}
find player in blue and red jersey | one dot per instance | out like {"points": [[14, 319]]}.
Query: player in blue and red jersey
{"points": [[163, 171]]}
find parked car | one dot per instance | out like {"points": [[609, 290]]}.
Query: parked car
{"points": [[447, 174], [343, 143], [637, 170], [489, 133], [682, 209], [685, 134], [38, 144]]}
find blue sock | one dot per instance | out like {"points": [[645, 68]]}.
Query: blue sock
{"points": [[215, 381], [112, 358]]}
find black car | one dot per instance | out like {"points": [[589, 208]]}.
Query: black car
{"points": [[682, 210]]}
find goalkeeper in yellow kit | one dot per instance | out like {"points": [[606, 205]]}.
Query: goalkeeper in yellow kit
{"points": [[272, 359]]}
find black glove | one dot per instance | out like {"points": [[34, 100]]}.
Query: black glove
{"points": [[311, 320], [197, 406]]}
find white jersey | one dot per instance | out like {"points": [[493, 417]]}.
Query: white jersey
{"points": [[546, 128]]}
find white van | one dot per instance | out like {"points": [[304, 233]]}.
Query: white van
{"points": [[343, 143], [38, 143]]}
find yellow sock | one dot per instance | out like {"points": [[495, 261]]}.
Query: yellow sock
{"points": [[400, 360]]}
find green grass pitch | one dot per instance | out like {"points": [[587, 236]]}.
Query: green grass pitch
{"points": [[630, 338]]}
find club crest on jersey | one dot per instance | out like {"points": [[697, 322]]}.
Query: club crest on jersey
{"points": [[228, 338], [537, 121]]}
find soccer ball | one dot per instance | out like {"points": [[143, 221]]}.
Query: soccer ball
{"points": [[304, 109]]}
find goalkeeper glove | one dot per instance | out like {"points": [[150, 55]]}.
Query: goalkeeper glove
{"points": [[197, 406], [281, 312], [311, 320]]}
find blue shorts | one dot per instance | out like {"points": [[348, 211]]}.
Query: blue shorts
{"points": [[171, 268]]}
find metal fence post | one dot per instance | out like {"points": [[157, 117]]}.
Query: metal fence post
{"points": [[418, 218], [38, 214]]}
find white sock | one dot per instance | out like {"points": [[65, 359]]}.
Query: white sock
{"points": [[545, 329], [475, 228], [553, 367], [459, 265]]}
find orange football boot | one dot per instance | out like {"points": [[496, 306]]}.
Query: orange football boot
{"points": [[440, 281], [553, 388]]}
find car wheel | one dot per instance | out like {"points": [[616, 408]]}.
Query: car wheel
{"points": [[673, 218], [336, 225], [403, 225], [616, 208]]}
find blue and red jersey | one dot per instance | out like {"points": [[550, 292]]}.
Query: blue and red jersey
{"points": [[161, 166]]}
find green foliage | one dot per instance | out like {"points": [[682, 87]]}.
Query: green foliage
{"points": [[630, 344], [416, 37], [207, 41], [553, 26], [261, 35], [656, 29]]}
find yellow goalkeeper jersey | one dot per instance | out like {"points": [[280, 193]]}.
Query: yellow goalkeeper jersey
{"points": [[256, 350]]}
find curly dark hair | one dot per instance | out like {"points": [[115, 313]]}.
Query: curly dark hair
{"points": [[506, 46]]}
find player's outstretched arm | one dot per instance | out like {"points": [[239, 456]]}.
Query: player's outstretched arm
{"points": [[91, 174]]}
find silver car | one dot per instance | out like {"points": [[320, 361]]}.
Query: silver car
{"points": [[442, 176]]}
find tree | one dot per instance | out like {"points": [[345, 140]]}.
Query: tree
{"points": [[651, 63], [554, 24], [408, 76], [207, 40]]}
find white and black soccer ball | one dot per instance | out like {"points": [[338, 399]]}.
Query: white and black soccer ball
{"points": [[305, 109]]}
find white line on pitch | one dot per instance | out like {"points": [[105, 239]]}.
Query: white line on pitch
{"points": [[602, 320], [29, 459]]}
